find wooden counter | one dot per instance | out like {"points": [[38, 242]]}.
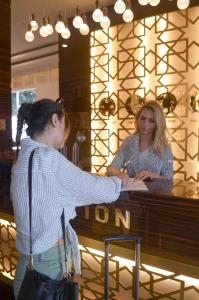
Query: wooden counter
{"points": [[166, 217]]}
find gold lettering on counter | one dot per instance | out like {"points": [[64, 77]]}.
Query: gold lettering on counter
{"points": [[103, 216], [120, 218]]}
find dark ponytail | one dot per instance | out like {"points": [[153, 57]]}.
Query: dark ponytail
{"points": [[37, 115], [24, 115]]}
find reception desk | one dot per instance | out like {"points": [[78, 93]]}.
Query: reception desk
{"points": [[166, 217]]}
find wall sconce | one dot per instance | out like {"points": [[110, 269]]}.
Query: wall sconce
{"points": [[194, 102], [133, 104], [107, 106], [168, 102]]}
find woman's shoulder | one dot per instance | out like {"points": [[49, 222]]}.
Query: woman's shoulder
{"points": [[131, 141], [131, 138]]}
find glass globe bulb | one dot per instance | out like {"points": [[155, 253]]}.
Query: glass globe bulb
{"points": [[128, 15], [183, 4], [29, 36], [77, 22], [119, 6], [43, 31], [154, 2], [65, 33], [59, 26], [34, 25], [105, 23], [84, 29], [50, 29], [143, 2], [97, 15]]}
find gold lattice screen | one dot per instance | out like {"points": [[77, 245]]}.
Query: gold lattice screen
{"points": [[147, 57]]}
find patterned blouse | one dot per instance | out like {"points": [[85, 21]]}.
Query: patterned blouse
{"points": [[129, 154]]}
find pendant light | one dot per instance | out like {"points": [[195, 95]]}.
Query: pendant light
{"points": [[84, 29], [29, 36], [105, 23], [128, 15], [98, 13], [77, 21], [43, 30], [33, 23], [183, 4], [119, 6]]}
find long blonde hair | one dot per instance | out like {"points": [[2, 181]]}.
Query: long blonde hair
{"points": [[160, 140]]}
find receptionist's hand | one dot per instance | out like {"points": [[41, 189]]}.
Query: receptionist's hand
{"points": [[143, 175], [124, 177]]}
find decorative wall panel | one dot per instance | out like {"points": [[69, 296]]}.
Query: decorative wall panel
{"points": [[155, 283], [8, 252], [147, 57]]}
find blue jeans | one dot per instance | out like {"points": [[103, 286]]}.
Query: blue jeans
{"points": [[50, 263]]}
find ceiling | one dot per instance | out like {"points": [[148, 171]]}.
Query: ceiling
{"points": [[21, 11], [44, 51]]}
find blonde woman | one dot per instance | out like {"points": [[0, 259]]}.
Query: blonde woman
{"points": [[146, 154]]}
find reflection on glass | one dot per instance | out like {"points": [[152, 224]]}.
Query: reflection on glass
{"points": [[133, 104]]}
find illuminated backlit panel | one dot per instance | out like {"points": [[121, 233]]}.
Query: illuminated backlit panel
{"points": [[155, 283], [147, 57], [8, 252]]}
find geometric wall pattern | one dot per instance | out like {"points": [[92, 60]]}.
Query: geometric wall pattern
{"points": [[155, 283], [147, 57], [8, 252]]}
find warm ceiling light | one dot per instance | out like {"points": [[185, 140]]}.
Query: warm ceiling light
{"points": [[128, 14], [183, 4], [119, 6], [98, 13], [154, 2], [65, 33], [64, 45], [77, 21], [29, 36], [143, 2], [60, 24], [43, 30], [84, 29], [33, 23], [105, 23], [49, 27]]}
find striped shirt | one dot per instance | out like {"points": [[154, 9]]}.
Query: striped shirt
{"points": [[148, 160], [56, 184]]}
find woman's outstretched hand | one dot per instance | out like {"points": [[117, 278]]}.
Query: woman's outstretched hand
{"points": [[143, 175]]}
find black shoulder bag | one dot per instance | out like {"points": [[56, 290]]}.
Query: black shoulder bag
{"points": [[37, 286]]}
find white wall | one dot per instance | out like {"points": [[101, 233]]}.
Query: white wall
{"points": [[45, 81]]}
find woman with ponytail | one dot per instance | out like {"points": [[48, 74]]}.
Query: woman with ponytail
{"points": [[57, 184]]}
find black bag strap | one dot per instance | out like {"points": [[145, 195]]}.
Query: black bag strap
{"points": [[30, 212]]}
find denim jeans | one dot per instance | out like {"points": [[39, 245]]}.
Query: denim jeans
{"points": [[50, 263]]}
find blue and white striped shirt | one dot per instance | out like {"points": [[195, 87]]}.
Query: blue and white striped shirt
{"points": [[57, 184], [143, 160]]}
